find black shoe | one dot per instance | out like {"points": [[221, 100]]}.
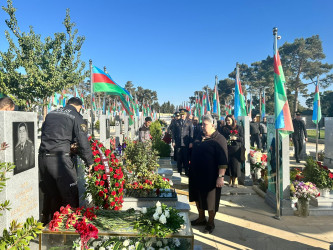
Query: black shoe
{"points": [[209, 229], [198, 222]]}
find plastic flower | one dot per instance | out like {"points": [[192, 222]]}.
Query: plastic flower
{"points": [[158, 204], [131, 247], [155, 216], [162, 219]]}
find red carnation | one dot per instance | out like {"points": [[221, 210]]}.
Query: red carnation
{"points": [[113, 193], [141, 187], [97, 160], [100, 193], [105, 190], [120, 190], [101, 183], [89, 138], [112, 203], [115, 176], [116, 208], [116, 184], [107, 152], [101, 167], [96, 168], [94, 153], [105, 176], [111, 169], [96, 183], [331, 175]]}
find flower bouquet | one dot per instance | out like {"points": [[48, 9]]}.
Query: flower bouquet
{"points": [[159, 220], [304, 190], [232, 136], [318, 174], [106, 181]]}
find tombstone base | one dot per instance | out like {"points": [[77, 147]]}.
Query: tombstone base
{"points": [[285, 204], [245, 180]]}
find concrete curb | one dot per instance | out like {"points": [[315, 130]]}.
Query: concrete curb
{"points": [[261, 193]]}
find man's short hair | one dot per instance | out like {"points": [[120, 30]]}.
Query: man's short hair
{"points": [[75, 100], [148, 119], [6, 101], [208, 118]]}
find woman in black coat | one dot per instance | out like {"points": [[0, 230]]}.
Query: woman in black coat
{"points": [[235, 137]]}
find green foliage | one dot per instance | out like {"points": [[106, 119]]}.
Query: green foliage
{"points": [[140, 159], [160, 146], [97, 125], [18, 236], [48, 66], [318, 174]]}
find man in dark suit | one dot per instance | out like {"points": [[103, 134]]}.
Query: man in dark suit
{"points": [[299, 135], [183, 136]]}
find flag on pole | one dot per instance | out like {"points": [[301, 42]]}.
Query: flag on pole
{"points": [[207, 101], [250, 108], [239, 105], [215, 101], [316, 116], [283, 120], [263, 108], [76, 93]]}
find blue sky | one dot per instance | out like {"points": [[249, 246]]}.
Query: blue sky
{"points": [[177, 46]]}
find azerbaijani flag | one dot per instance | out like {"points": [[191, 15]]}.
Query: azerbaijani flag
{"points": [[215, 99], [316, 116], [263, 108], [208, 101], [283, 120], [239, 106]]}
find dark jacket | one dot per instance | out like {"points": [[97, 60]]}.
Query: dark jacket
{"points": [[207, 157], [61, 128], [24, 157], [254, 128], [183, 133], [197, 132], [144, 133], [299, 130]]}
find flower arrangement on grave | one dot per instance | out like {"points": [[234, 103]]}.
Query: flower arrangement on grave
{"points": [[258, 160], [140, 161], [304, 190], [296, 175], [106, 243], [106, 181], [159, 220], [318, 174]]}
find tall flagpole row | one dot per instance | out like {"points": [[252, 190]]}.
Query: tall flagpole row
{"points": [[92, 96]]}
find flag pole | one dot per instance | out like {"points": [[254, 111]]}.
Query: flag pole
{"points": [[317, 121], [277, 151], [92, 94]]}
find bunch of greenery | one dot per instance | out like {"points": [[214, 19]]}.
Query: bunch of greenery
{"points": [[18, 236], [318, 174], [97, 125], [162, 148], [140, 159]]}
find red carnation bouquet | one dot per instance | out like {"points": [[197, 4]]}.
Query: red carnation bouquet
{"points": [[106, 179], [233, 136]]}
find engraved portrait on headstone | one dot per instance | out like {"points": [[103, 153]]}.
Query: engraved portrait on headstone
{"points": [[24, 147]]}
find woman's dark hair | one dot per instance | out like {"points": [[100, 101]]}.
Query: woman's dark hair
{"points": [[234, 122]]}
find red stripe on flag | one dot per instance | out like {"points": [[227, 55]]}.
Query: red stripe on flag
{"points": [[277, 63], [288, 125], [102, 78]]}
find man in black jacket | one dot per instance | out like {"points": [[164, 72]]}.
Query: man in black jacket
{"points": [[183, 135], [299, 135], [61, 129], [255, 133]]}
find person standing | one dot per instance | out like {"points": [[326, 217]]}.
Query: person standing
{"points": [[6, 104], [171, 130], [197, 128], [208, 165], [62, 128], [255, 133], [299, 135], [183, 134], [235, 137], [144, 131], [263, 133]]}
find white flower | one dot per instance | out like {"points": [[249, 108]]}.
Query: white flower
{"points": [[144, 210], [159, 243], [101, 248], [176, 242], [158, 204], [163, 219], [124, 248], [171, 183], [131, 247], [155, 216], [159, 210], [165, 241], [126, 243], [166, 213], [78, 248], [166, 248]]}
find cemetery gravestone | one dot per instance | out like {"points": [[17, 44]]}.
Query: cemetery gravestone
{"points": [[245, 123], [19, 130]]}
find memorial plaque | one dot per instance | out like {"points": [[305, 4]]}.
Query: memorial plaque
{"points": [[22, 187]]}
